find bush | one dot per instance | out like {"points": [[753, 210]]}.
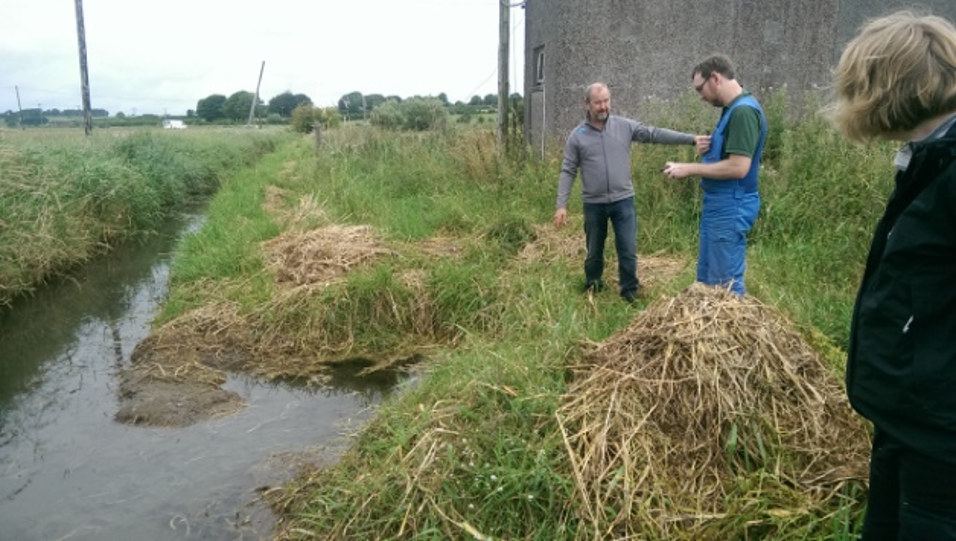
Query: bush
{"points": [[305, 116], [328, 117], [388, 115], [424, 114]]}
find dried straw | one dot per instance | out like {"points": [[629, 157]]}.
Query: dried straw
{"points": [[322, 256], [668, 417], [195, 347]]}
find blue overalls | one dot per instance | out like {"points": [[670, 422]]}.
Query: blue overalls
{"points": [[730, 208]]}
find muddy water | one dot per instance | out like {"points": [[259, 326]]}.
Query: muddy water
{"points": [[68, 471]]}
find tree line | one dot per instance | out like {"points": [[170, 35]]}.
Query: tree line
{"points": [[352, 106], [235, 108]]}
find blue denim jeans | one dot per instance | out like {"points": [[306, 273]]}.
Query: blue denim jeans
{"points": [[911, 497], [725, 221], [623, 219]]}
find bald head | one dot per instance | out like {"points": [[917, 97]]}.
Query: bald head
{"points": [[597, 101], [589, 92]]}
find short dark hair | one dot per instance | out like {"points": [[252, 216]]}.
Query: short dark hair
{"points": [[717, 63]]}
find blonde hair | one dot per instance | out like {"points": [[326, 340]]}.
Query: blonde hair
{"points": [[897, 72]]}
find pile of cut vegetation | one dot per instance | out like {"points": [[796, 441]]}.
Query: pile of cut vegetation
{"points": [[314, 325], [323, 255], [709, 417], [177, 371]]}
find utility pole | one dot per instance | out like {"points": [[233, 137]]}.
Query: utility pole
{"points": [[504, 9], [84, 71], [255, 99], [20, 108]]}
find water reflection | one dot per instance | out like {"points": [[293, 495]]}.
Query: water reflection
{"points": [[47, 326], [67, 470]]}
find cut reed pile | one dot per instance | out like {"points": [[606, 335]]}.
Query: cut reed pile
{"points": [[321, 256], [708, 417], [195, 348], [304, 328]]}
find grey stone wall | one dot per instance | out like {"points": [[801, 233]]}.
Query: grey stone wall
{"points": [[645, 50]]}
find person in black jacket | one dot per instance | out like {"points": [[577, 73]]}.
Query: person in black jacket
{"points": [[897, 80]]}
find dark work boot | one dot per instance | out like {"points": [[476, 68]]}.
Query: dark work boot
{"points": [[594, 286], [632, 296]]}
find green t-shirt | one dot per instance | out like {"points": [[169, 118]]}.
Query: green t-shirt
{"points": [[743, 131]]}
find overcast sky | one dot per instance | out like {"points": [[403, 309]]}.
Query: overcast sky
{"points": [[163, 56]]}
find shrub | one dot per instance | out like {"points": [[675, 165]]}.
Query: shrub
{"points": [[424, 114], [328, 117], [388, 115], [303, 118]]}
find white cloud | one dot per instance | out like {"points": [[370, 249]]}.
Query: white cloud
{"points": [[162, 57]]}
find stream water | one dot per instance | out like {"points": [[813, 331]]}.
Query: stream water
{"points": [[69, 471]]}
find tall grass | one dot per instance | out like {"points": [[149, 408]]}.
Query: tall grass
{"points": [[64, 198]]}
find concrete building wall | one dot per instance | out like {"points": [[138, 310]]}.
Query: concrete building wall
{"points": [[645, 50]]}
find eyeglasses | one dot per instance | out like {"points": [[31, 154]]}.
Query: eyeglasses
{"points": [[700, 87]]}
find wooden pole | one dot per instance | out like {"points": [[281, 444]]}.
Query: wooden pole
{"points": [[255, 99], [20, 108], [84, 69], [503, 45]]}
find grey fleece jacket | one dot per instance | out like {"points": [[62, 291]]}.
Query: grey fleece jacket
{"points": [[604, 158]]}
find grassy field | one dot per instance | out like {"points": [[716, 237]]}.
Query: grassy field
{"points": [[475, 448]]}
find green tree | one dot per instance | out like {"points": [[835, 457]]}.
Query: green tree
{"points": [[237, 106], [475, 100], [351, 105], [11, 119], [443, 98], [210, 108], [491, 100], [283, 104], [373, 100]]}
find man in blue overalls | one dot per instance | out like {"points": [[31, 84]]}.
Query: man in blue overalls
{"points": [[728, 174]]}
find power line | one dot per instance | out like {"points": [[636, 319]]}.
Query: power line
{"points": [[495, 71], [490, 75]]}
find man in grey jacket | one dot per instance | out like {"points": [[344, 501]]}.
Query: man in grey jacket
{"points": [[600, 147]]}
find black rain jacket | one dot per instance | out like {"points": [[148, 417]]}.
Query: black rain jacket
{"points": [[901, 366]]}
